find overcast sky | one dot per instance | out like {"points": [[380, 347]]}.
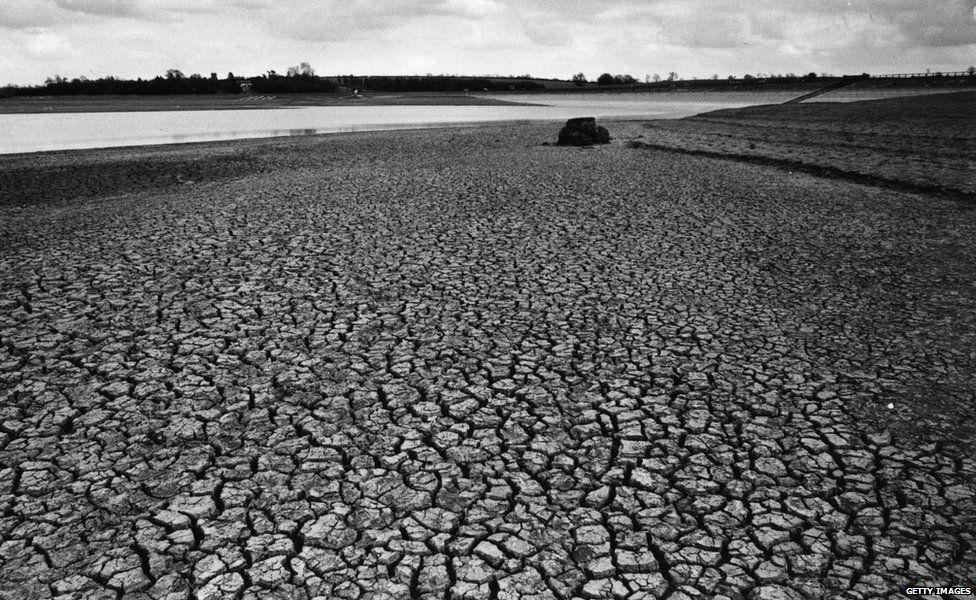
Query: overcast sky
{"points": [[548, 38]]}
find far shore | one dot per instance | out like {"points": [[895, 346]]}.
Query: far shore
{"points": [[116, 103], [131, 103]]}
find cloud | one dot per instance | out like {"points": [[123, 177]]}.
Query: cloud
{"points": [[710, 29], [24, 15], [101, 8], [468, 8], [938, 23], [547, 36], [542, 37], [44, 44], [330, 20], [929, 23]]}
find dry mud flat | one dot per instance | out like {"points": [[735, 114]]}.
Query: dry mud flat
{"points": [[925, 143], [459, 364]]}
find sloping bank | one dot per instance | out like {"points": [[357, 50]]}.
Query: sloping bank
{"points": [[923, 143]]}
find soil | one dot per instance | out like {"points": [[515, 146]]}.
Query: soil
{"points": [[926, 142], [460, 363]]}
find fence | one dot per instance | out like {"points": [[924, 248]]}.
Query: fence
{"points": [[939, 74]]}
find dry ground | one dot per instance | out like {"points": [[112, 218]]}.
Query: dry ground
{"points": [[925, 142], [460, 364]]}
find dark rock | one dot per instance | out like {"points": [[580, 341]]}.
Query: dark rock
{"points": [[583, 132]]}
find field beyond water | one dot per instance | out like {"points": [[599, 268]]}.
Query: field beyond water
{"points": [[464, 363], [114, 103]]}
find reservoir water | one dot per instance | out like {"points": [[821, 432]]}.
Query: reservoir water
{"points": [[72, 130]]}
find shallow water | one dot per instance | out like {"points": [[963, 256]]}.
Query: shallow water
{"points": [[64, 131]]}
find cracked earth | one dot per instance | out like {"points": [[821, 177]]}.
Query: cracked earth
{"points": [[459, 364]]}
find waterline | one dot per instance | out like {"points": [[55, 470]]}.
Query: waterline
{"points": [[68, 131]]}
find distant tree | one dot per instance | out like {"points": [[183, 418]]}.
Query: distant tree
{"points": [[715, 77], [306, 69], [293, 72], [672, 76], [605, 79], [655, 78], [579, 79], [748, 76], [171, 82], [230, 84], [811, 75], [625, 79], [971, 70]]}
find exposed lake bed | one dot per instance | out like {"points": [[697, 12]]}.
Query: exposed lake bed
{"points": [[465, 362]]}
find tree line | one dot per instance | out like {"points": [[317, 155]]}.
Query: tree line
{"points": [[299, 79], [302, 79], [436, 83], [609, 79], [175, 82]]}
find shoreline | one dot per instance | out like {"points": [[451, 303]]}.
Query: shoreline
{"points": [[760, 134], [189, 146], [189, 161], [84, 104], [118, 103], [235, 129]]}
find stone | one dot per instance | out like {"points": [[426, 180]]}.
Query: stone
{"points": [[583, 131], [224, 586], [774, 592], [490, 553]]}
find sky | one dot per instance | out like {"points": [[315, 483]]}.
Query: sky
{"points": [[544, 38]]}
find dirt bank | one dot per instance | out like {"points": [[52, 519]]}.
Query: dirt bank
{"points": [[925, 143]]}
